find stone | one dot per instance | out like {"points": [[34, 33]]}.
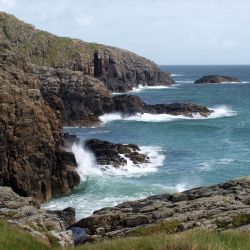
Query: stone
{"points": [[217, 79], [116, 155], [26, 214], [216, 207]]}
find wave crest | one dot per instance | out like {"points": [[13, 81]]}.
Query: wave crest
{"points": [[219, 112]]}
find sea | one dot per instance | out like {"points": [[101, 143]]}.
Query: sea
{"points": [[184, 152]]}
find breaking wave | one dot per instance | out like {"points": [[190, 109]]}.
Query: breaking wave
{"points": [[219, 112], [87, 165]]}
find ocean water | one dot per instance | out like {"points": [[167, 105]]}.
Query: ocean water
{"points": [[184, 152]]}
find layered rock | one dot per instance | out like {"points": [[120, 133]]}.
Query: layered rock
{"points": [[47, 226], [217, 79], [116, 155], [32, 160], [78, 98], [220, 207], [129, 104], [119, 69]]}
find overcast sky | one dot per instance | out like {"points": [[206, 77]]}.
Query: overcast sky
{"points": [[166, 31]]}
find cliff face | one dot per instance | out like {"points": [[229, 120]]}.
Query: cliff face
{"points": [[120, 70], [78, 98], [32, 161]]}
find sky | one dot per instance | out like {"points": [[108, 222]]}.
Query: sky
{"points": [[169, 32]]}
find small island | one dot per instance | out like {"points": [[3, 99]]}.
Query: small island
{"points": [[217, 79]]}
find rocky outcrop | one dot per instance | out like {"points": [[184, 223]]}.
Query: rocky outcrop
{"points": [[220, 207], [32, 160], [50, 227], [116, 155], [129, 104], [120, 70], [217, 79], [78, 99]]}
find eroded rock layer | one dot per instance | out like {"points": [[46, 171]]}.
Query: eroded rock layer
{"points": [[222, 206], [217, 79]]}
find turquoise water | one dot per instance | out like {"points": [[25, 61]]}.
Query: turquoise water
{"points": [[185, 152]]}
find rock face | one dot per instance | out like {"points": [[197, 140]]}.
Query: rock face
{"points": [[221, 206], [120, 70], [128, 104], [217, 79], [32, 160], [44, 225], [116, 155], [78, 98]]}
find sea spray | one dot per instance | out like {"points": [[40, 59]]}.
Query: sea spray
{"points": [[218, 112]]}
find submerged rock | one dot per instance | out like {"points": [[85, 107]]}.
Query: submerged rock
{"points": [[116, 155], [217, 79], [220, 207]]}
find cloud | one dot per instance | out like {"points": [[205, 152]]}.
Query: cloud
{"points": [[7, 4], [84, 21]]}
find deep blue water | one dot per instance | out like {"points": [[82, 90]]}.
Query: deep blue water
{"points": [[197, 151]]}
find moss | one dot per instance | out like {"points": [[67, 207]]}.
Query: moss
{"points": [[240, 220], [167, 227]]}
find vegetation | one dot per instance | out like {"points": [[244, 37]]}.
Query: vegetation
{"points": [[152, 238], [13, 239]]}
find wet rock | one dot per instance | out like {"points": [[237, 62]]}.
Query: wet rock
{"points": [[129, 104], [216, 207], [217, 79], [117, 155]]}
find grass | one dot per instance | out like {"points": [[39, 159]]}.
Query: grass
{"points": [[150, 238], [13, 239], [202, 240]]}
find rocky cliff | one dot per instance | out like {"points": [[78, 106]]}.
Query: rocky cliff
{"points": [[120, 70], [32, 160]]}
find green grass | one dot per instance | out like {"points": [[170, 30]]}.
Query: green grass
{"points": [[150, 238], [202, 240], [13, 239]]}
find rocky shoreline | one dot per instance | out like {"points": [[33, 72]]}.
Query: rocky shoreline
{"points": [[48, 82]]}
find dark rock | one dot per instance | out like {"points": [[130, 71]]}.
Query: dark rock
{"points": [[217, 79], [70, 139], [108, 153], [129, 104], [79, 235], [32, 161]]}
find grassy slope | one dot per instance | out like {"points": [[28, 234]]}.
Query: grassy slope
{"points": [[11, 238]]}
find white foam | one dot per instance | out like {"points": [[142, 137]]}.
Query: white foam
{"points": [[155, 155], [176, 74], [184, 81], [87, 165], [146, 87], [218, 112]]}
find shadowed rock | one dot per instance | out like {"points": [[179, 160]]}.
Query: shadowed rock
{"points": [[116, 155]]}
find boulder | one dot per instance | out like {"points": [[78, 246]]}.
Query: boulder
{"points": [[116, 155], [217, 79]]}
